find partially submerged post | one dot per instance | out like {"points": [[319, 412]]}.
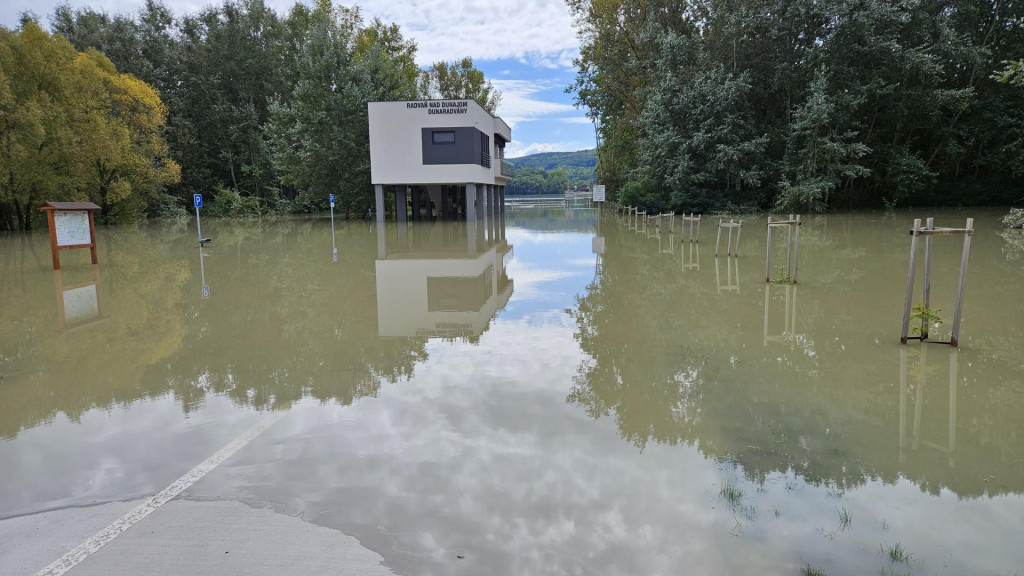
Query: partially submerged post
{"points": [[928, 231], [691, 219], [792, 248], [731, 284], [71, 226], [730, 225]]}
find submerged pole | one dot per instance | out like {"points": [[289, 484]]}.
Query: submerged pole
{"points": [[957, 314], [718, 239], [910, 281], [928, 224], [768, 254], [796, 248]]}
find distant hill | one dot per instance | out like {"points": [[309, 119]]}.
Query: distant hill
{"points": [[547, 172], [554, 160]]}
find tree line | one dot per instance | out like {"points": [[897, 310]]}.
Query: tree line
{"points": [[804, 104], [260, 112]]}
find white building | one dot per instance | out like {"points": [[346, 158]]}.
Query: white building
{"points": [[446, 157]]}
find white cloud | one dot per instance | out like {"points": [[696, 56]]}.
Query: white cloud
{"points": [[517, 149], [538, 32], [518, 103], [576, 120]]}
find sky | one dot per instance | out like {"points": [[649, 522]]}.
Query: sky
{"points": [[525, 47]]}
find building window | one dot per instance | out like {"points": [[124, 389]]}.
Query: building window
{"points": [[445, 137]]}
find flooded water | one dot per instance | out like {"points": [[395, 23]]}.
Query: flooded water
{"points": [[562, 393]]}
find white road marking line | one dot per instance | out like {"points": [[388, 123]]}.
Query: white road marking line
{"points": [[105, 536]]}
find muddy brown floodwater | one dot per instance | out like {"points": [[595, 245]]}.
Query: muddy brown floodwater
{"points": [[560, 393]]}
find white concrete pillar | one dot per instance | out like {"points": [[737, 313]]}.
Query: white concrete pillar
{"points": [[471, 207], [480, 213], [378, 190]]}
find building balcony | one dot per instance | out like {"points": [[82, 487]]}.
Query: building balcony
{"points": [[506, 169]]}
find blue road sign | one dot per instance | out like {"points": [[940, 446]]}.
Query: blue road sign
{"points": [[332, 198], [197, 199]]}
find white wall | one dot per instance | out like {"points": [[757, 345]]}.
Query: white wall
{"points": [[402, 299], [396, 143]]}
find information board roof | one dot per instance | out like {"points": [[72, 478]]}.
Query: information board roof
{"points": [[70, 206]]}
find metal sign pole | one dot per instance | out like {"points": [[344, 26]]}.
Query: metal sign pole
{"points": [[197, 199]]}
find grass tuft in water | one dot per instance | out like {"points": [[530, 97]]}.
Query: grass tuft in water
{"points": [[896, 553], [809, 570], [731, 492], [845, 518]]}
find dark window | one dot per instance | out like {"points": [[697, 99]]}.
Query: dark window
{"points": [[485, 150], [446, 137]]}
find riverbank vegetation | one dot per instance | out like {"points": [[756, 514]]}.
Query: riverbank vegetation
{"points": [[262, 113], [548, 172], [804, 104]]}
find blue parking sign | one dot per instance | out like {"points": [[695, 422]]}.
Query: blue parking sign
{"points": [[332, 198], [197, 199]]}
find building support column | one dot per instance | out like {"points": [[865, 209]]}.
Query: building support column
{"points": [[479, 198], [401, 207], [490, 213], [470, 203], [378, 190], [501, 218]]}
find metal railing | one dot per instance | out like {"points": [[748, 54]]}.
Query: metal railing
{"points": [[506, 169]]}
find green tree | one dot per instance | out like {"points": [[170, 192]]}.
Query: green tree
{"points": [[459, 79], [73, 128], [819, 152]]}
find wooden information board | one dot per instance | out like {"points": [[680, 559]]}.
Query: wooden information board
{"points": [[71, 226]]}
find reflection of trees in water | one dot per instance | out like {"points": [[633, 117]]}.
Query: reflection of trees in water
{"points": [[43, 373], [283, 323], [676, 363], [583, 219], [1013, 244]]}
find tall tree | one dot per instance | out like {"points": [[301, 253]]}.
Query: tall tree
{"points": [[73, 128], [459, 79]]}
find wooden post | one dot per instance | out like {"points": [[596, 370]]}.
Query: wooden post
{"points": [[928, 224], [728, 250], [910, 281], [739, 231], [718, 239], [957, 314], [789, 246], [54, 251], [796, 248], [768, 256]]}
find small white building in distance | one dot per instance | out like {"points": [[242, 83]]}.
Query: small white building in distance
{"points": [[445, 157]]}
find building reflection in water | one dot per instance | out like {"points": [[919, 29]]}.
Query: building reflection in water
{"points": [[79, 305], [914, 378], [442, 280]]}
